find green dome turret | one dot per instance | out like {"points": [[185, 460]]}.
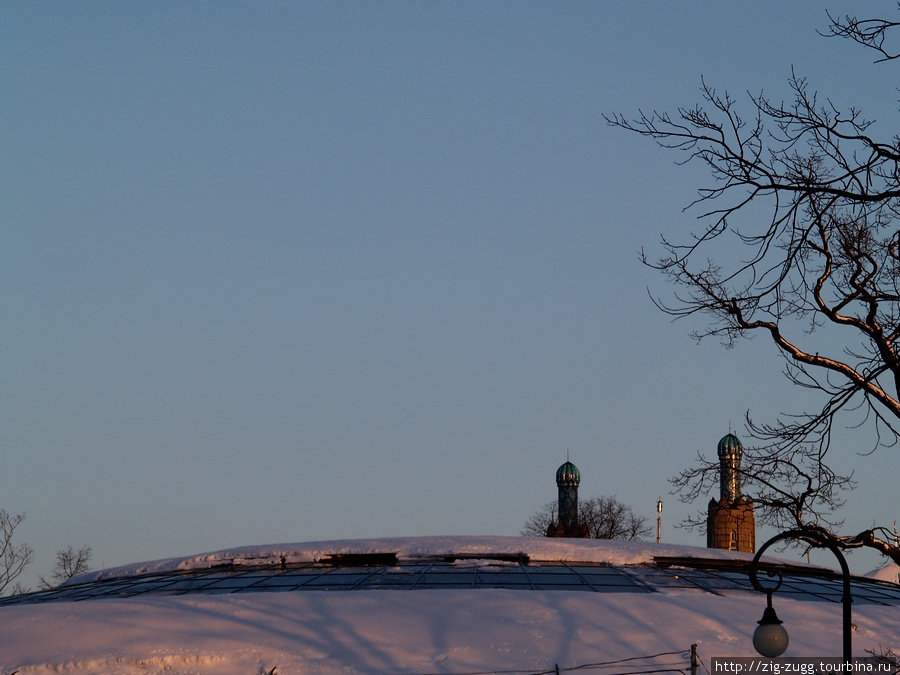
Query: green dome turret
{"points": [[730, 523], [730, 445], [568, 473], [567, 524], [730, 451]]}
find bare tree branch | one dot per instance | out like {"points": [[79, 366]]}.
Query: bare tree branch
{"points": [[870, 33], [13, 558], [808, 198]]}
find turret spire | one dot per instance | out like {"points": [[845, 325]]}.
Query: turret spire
{"points": [[730, 452], [568, 477], [730, 522]]}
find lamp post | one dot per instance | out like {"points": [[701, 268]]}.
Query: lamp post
{"points": [[659, 520], [771, 639]]}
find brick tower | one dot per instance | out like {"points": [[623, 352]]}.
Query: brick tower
{"points": [[730, 523]]}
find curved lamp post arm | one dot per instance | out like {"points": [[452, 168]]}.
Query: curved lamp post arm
{"points": [[802, 535]]}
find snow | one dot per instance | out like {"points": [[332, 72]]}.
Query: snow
{"points": [[413, 631], [889, 572], [409, 548]]}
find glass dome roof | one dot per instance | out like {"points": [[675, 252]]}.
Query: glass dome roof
{"points": [[510, 572]]}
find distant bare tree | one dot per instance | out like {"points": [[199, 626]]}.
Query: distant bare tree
{"points": [[69, 563], [13, 559], [604, 517], [537, 524]]}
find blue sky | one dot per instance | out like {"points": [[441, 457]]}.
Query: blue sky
{"points": [[295, 271]]}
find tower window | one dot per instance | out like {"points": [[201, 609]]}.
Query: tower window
{"points": [[732, 541]]}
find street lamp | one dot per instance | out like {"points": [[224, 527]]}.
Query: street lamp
{"points": [[770, 638]]}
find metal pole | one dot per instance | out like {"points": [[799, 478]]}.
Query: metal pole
{"points": [[846, 600], [659, 521], [694, 660]]}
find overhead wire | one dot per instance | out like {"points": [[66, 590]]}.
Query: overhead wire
{"points": [[645, 668]]}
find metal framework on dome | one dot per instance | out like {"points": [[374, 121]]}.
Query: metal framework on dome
{"points": [[504, 572]]}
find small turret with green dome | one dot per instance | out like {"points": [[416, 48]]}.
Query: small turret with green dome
{"points": [[567, 479], [730, 444], [568, 473], [730, 451], [730, 523]]}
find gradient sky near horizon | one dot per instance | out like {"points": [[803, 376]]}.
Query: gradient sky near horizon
{"points": [[276, 272]]}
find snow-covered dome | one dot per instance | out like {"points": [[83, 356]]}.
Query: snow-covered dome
{"points": [[889, 572], [424, 605]]}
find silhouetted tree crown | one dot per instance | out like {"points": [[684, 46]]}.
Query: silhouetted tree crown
{"points": [[807, 200], [603, 517]]}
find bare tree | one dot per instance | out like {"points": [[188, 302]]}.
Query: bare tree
{"points": [[809, 200], [13, 559], [69, 563], [604, 518], [537, 524]]}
